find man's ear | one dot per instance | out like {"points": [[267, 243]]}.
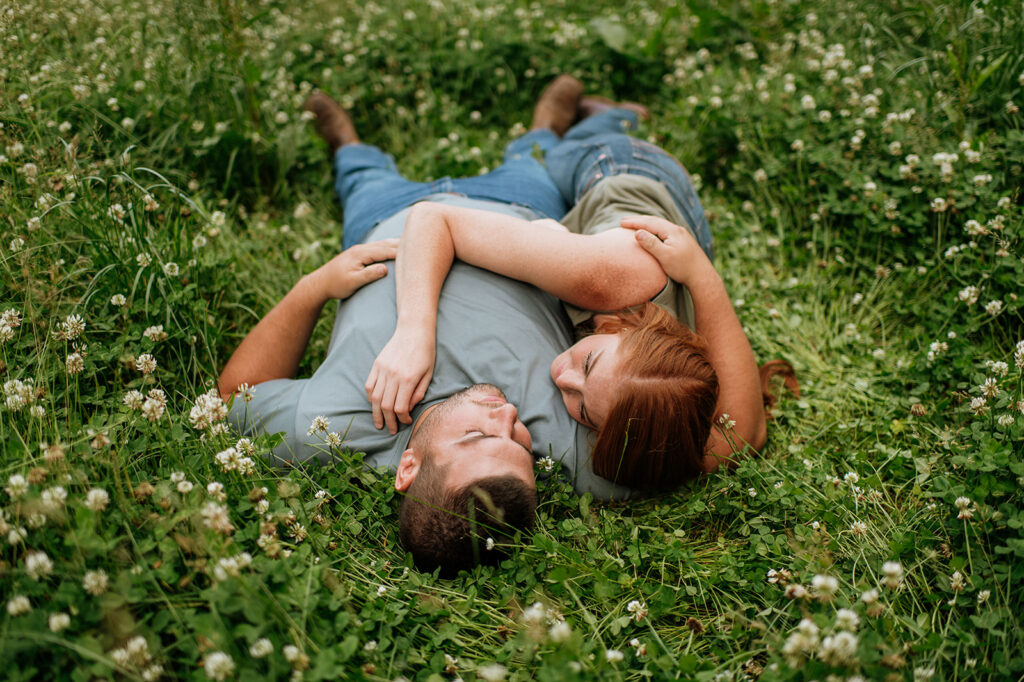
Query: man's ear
{"points": [[408, 468]]}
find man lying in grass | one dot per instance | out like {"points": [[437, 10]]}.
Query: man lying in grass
{"points": [[466, 464]]}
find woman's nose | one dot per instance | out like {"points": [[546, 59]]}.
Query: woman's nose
{"points": [[569, 380]]}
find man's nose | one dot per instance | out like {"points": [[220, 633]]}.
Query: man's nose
{"points": [[505, 415]]}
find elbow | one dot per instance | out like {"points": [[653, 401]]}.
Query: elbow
{"points": [[423, 210], [617, 288], [756, 434]]}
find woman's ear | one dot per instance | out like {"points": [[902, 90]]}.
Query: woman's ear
{"points": [[408, 468]]}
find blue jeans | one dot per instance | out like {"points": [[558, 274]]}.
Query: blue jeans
{"points": [[597, 147], [371, 189]]}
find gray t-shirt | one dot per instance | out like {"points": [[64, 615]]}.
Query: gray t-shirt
{"points": [[490, 329]]}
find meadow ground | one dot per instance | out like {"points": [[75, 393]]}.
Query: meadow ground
{"points": [[160, 190]]}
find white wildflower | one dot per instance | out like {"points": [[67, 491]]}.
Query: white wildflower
{"points": [[97, 499]]}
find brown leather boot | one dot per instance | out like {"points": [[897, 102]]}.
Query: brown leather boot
{"points": [[556, 108], [595, 104], [331, 122]]}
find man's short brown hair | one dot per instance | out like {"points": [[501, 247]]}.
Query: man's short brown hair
{"points": [[450, 529]]}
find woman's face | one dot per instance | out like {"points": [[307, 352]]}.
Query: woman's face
{"points": [[586, 374]]}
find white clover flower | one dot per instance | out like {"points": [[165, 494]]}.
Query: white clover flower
{"points": [[939, 205], [559, 631], [171, 269], [613, 655], [185, 487], [847, 619], [983, 596], [95, 582], [991, 387], [979, 406], [118, 300], [760, 175], [143, 259], [17, 486], [261, 648], [824, 586], [839, 649], [381, 590], [219, 666], [546, 464], [1005, 420], [54, 498], [133, 399], [97, 499], [489, 544], [215, 489], [72, 327], [371, 645], [869, 597], [969, 295], [535, 614], [155, 333], [59, 621], [797, 145], [117, 212], [492, 672], [74, 363], [893, 572], [859, 528], [638, 609], [796, 591], [16, 535], [207, 410], [38, 565], [320, 424], [18, 605], [957, 581], [153, 409], [216, 518], [994, 307], [145, 363]]}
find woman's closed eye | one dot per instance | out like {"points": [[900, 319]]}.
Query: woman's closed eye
{"points": [[583, 406]]}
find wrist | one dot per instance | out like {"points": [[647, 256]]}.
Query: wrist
{"points": [[700, 273], [312, 288]]}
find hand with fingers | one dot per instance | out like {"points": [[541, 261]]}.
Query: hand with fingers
{"points": [[354, 267], [399, 377], [673, 245]]}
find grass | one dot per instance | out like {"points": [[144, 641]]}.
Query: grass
{"points": [[140, 135]]}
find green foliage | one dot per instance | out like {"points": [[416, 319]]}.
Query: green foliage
{"points": [[159, 182]]}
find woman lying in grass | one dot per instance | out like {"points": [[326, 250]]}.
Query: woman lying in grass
{"points": [[649, 387]]}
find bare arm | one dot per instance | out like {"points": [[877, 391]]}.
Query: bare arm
{"points": [[607, 271], [729, 351], [274, 347]]}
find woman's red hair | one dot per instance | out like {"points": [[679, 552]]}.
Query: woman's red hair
{"points": [[655, 435]]}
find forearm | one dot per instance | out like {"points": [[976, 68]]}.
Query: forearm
{"points": [[425, 256], [595, 272], [274, 347], [729, 352]]}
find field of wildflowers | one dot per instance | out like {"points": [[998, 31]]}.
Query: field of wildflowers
{"points": [[160, 190]]}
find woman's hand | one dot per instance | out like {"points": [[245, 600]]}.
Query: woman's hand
{"points": [[675, 248], [399, 377], [361, 264]]}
